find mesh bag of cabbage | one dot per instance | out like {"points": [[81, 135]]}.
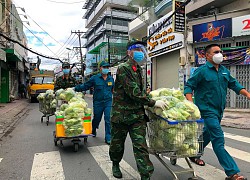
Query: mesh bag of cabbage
{"points": [[175, 138]]}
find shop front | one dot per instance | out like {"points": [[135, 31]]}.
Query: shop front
{"points": [[16, 67], [164, 52], [233, 36], [4, 78]]}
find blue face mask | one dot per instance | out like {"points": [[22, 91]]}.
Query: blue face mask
{"points": [[105, 71], [138, 56], [66, 71]]}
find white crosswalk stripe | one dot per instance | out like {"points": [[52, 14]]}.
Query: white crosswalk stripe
{"points": [[207, 172], [101, 155], [47, 165], [237, 137]]}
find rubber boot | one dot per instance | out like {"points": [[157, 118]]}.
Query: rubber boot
{"points": [[116, 170]]}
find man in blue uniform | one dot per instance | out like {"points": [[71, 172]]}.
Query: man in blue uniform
{"points": [[103, 85], [209, 84]]}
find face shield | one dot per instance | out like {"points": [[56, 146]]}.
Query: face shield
{"points": [[138, 53]]}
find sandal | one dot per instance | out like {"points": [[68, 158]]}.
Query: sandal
{"points": [[236, 177], [197, 161]]}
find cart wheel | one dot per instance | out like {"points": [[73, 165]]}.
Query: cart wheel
{"points": [[85, 140], [41, 119], [193, 178], [55, 139], [76, 147], [47, 122], [173, 160]]}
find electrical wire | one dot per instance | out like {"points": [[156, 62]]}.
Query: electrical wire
{"points": [[64, 50], [61, 49], [28, 29], [66, 2], [14, 41]]}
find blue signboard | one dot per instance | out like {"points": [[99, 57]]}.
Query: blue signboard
{"points": [[213, 30]]}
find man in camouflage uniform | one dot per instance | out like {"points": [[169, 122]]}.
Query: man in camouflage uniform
{"points": [[65, 81], [128, 114]]}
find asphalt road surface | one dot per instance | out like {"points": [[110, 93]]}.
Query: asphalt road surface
{"points": [[28, 152]]}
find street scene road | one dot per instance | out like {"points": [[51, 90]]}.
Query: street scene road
{"points": [[27, 151]]}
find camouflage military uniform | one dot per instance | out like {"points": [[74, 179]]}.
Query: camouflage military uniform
{"points": [[64, 83], [128, 116]]}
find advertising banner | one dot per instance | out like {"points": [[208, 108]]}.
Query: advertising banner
{"points": [[231, 56], [214, 30], [179, 17], [165, 40], [241, 25]]}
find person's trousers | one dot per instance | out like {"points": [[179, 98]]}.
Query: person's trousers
{"points": [[212, 131], [99, 109], [137, 132]]}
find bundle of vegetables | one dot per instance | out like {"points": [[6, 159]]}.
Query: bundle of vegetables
{"points": [[65, 95], [178, 108], [180, 137], [47, 102], [73, 111]]}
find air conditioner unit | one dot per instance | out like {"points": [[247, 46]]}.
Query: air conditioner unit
{"points": [[182, 61], [191, 59]]}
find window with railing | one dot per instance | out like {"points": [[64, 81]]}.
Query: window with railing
{"points": [[243, 43]]}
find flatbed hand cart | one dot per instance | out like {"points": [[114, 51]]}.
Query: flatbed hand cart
{"points": [[47, 111], [171, 139], [74, 139]]}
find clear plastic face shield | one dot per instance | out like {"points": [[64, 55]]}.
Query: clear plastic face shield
{"points": [[138, 53]]}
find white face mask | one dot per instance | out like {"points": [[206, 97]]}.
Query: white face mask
{"points": [[218, 58]]}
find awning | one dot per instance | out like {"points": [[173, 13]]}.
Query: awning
{"points": [[12, 55], [96, 50], [121, 45]]}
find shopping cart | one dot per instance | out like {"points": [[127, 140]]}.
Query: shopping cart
{"points": [[171, 139], [47, 110]]}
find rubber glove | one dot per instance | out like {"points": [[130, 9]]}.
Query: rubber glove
{"points": [[160, 104]]}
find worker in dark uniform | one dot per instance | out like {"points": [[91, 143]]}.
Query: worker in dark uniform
{"points": [[128, 114], [103, 85], [209, 84], [66, 80]]}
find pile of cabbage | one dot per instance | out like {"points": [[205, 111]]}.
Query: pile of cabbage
{"points": [[178, 108], [177, 131], [47, 102], [73, 110]]}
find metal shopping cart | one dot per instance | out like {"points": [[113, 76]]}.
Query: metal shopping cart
{"points": [[47, 110], [171, 139]]}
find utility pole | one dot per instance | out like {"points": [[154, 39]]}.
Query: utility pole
{"points": [[79, 34]]}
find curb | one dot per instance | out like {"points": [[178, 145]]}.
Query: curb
{"points": [[15, 120], [238, 110]]}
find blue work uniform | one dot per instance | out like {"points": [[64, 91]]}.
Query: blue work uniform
{"points": [[102, 100], [210, 90]]}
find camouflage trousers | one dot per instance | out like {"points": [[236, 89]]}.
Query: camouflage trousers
{"points": [[137, 132]]}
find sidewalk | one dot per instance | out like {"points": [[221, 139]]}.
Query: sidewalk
{"points": [[10, 113]]}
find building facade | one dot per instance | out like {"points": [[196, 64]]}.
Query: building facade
{"points": [[14, 66], [107, 34], [176, 50], [226, 23]]}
